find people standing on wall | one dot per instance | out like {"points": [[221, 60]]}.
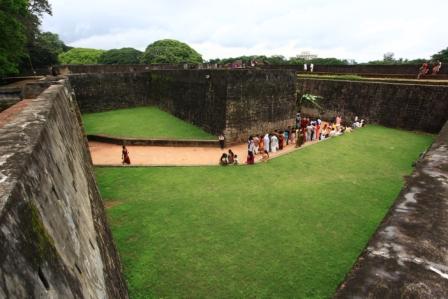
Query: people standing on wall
{"points": [[423, 71], [436, 68], [311, 67], [305, 67], [221, 139], [125, 156]]}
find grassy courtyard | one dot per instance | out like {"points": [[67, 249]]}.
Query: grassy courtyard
{"points": [[143, 122], [288, 228]]}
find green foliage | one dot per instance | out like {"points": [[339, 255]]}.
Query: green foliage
{"points": [[442, 56], [288, 228], [81, 56], [279, 59], [330, 61], [121, 56], [310, 99], [389, 59], [45, 49], [145, 122], [12, 34], [170, 51]]}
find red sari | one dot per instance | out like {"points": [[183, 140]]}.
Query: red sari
{"points": [[281, 140], [125, 156]]}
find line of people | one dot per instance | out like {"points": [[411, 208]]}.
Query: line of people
{"points": [[306, 130]]}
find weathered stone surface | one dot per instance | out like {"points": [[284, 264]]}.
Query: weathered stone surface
{"points": [[408, 255], [411, 107], [237, 102], [54, 238]]}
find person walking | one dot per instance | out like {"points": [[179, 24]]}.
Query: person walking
{"points": [[221, 139], [125, 156], [266, 142]]}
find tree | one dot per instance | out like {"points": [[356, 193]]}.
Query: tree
{"points": [[170, 51], [121, 56], [80, 56], [329, 61], [12, 35], [389, 57], [441, 56], [44, 50], [276, 59]]}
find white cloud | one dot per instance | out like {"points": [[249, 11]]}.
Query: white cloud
{"points": [[362, 30]]}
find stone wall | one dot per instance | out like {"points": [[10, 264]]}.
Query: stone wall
{"points": [[258, 102], [54, 237], [109, 91], [407, 106], [404, 69], [68, 69], [239, 102], [407, 256]]}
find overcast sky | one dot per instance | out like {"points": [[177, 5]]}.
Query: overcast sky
{"points": [[360, 30]]}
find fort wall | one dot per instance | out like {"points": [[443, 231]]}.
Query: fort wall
{"points": [[407, 106], [54, 237], [237, 102], [361, 69]]}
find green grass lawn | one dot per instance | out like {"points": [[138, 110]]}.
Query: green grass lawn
{"points": [[291, 227], [144, 122]]}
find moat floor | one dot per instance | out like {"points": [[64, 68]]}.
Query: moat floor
{"points": [[110, 154], [289, 228]]}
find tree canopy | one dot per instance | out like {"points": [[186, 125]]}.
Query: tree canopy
{"points": [[170, 51], [442, 56], [44, 50], [121, 56], [12, 34], [81, 56]]}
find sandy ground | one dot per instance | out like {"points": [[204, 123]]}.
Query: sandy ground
{"points": [[110, 154]]}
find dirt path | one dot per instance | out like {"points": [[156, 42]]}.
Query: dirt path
{"points": [[109, 154]]}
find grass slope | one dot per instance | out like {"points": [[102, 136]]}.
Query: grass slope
{"points": [[144, 122], [291, 227]]}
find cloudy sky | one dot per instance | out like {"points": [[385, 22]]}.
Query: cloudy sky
{"points": [[361, 30]]}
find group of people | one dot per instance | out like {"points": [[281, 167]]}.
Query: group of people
{"points": [[425, 68], [306, 129], [305, 67], [229, 158]]}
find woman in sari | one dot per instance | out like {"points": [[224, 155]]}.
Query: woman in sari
{"points": [[125, 156]]}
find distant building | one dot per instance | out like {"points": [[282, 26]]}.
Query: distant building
{"points": [[306, 55]]}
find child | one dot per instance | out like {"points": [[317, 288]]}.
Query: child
{"points": [[224, 160], [235, 160]]}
